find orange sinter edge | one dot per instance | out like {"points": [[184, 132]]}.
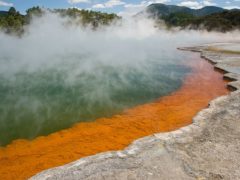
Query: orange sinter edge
{"points": [[23, 159]]}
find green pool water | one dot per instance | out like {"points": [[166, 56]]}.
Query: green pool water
{"points": [[52, 78], [50, 99]]}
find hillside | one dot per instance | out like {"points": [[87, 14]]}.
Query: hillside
{"points": [[223, 22], [3, 13], [159, 10], [208, 18]]}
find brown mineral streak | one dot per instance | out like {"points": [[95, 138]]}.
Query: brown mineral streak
{"points": [[22, 159]]}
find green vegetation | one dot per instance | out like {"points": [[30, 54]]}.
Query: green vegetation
{"points": [[178, 19], [93, 18], [12, 21], [158, 10], [210, 18], [224, 21]]}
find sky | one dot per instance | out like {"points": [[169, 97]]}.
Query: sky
{"points": [[121, 7]]}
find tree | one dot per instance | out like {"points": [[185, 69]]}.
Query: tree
{"points": [[36, 11], [12, 11]]}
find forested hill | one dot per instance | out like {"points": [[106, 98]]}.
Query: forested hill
{"points": [[223, 22], [159, 10], [209, 18], [3, 13], [12, 21]]}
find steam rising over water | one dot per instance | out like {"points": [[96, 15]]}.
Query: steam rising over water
{"points": [[57, 75]]}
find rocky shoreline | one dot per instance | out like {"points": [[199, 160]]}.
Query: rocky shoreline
{"points": [[207, 149]]}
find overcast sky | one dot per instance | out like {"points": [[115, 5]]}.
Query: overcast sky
{"points": [[122, 7]]}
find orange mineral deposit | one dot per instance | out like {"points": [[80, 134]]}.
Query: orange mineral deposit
{"points": [[22, 159]]}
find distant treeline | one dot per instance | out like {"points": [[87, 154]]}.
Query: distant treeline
{"points": [[207, 18], [223, 21], [13, 22], [211, 18]]}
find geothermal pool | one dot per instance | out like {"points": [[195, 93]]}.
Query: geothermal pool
{"points": [[41, 100], [198, 84], [70, 92]]}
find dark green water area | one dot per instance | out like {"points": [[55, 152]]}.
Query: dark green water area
{"points": [[38, 100]]}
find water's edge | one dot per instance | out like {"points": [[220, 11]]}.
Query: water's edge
{"points": [[179, 153]]}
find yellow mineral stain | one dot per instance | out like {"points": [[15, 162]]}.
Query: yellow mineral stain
{"points": [[22, 159]]}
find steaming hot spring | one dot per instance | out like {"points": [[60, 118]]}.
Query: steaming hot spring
{"points": [[39, 99], [68, 92]]}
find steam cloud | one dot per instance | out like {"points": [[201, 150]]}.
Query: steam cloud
{"points": [[58, 74]]}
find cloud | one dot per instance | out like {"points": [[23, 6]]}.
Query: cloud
{"points": [[132, 9], [98, 6], [112, 3], [78, 1], [191, 4], [208, 3], [197, 5], [3, 3], [108, 4], [232, 7]]}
